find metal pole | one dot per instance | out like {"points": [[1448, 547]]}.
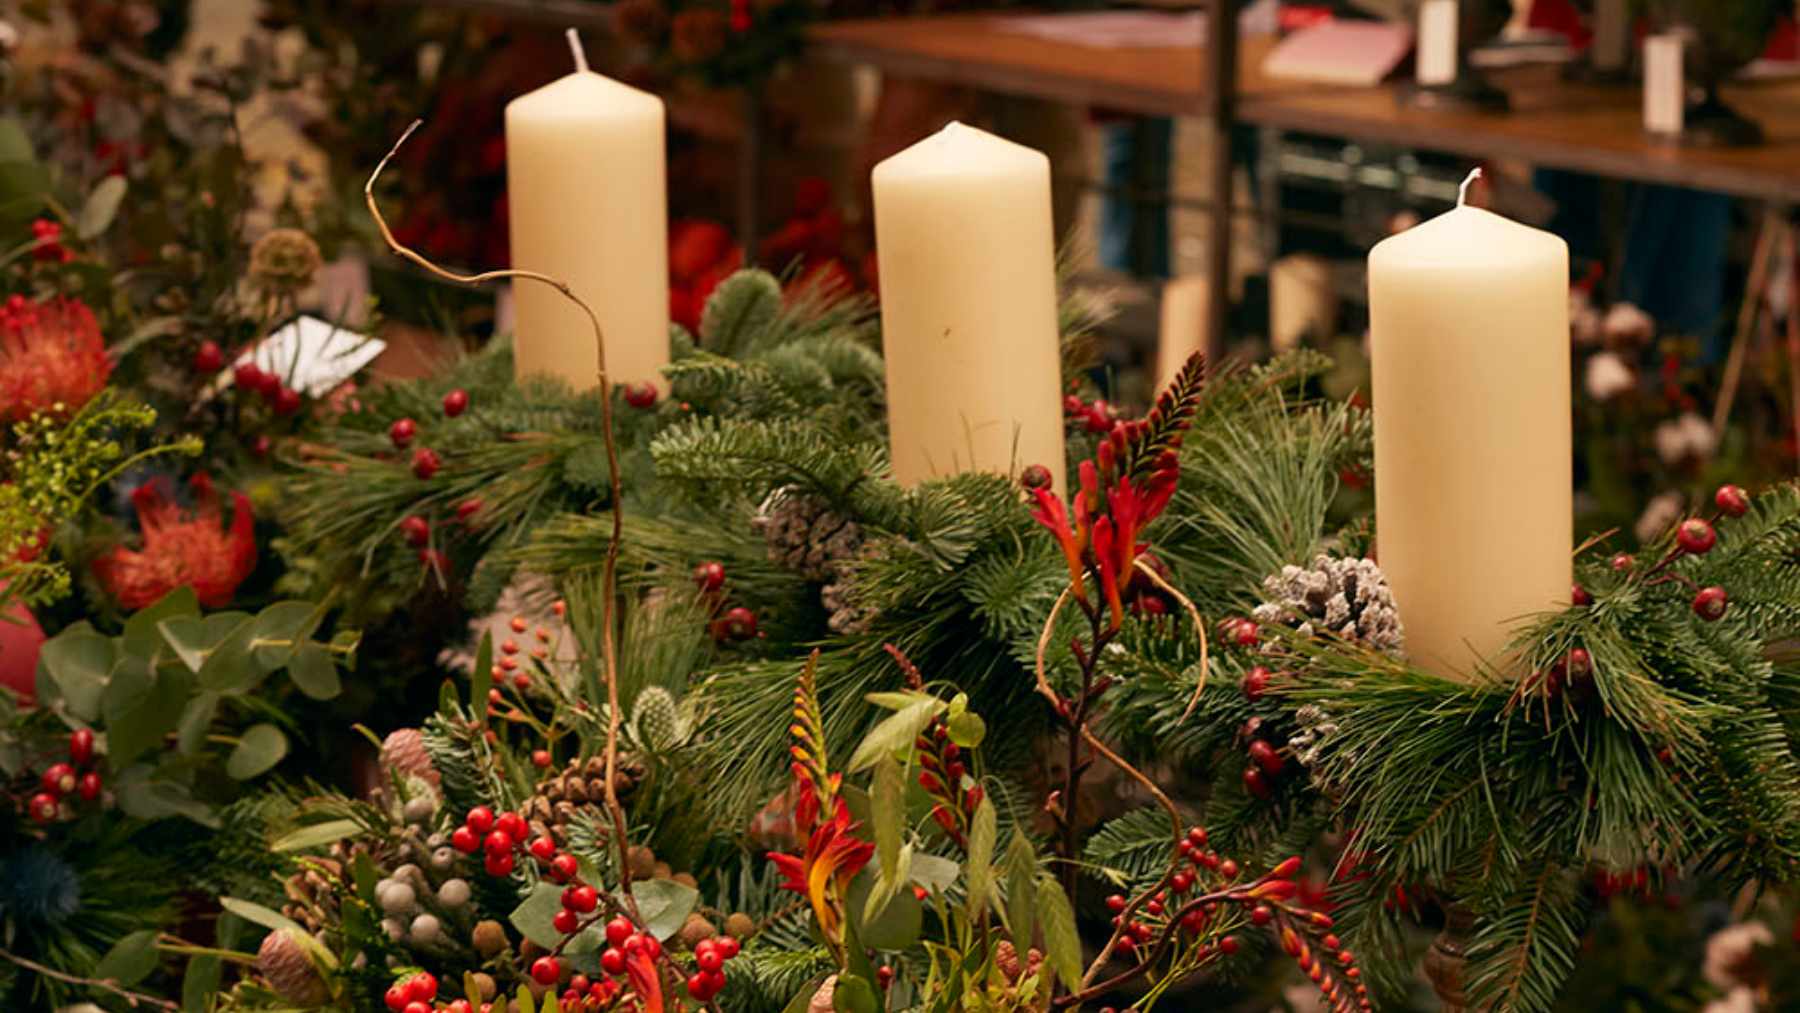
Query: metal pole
{"points": [[1221, 109]]}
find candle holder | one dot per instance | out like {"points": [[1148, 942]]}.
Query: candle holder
{"points": [[1471, 91], [1720, 39]]}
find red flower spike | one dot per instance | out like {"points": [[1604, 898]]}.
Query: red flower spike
{"points": [[182, 548], [832, 859]]}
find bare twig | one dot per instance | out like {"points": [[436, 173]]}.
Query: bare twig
{"points": [[133, 999], [609, 573]]}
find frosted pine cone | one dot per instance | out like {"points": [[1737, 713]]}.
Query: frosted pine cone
{"points": [[283, 961], [805, 535], [1347, 597], [404, 750]]}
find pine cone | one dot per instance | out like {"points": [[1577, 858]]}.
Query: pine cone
{"points": [[579, 789], [404, 750], [805, 535], [1346, 597], [283, 961], [284, 260]]}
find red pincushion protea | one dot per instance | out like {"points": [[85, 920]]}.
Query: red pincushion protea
{"points": [[51, 353], [182, 548]]}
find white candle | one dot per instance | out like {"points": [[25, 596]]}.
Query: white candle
{"points": [[969, 306], [1469, 323], [1435, 63], [584, 164], [1182, 326], [1665, 101]]}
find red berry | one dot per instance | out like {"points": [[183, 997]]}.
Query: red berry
{"points": [[540, 758], [499, 865], [884, 975], [1228, 945], [402, 432], [709, 576], [1622, 562], [1266, 757], [89, 788], [422, 987], [425, 463], [248, 377], [1581, 663], [582, 898], [566, 921], [652, 948], [59, 778], [1261, 914], [1256, 683], [1696, 536], [513, 825], [1579, 596], [287, 401], [708, 960], [1115, 903], [1096, 418], [416, 529], [612, 960], [696, 986], [456, 402], [81, 745], [543, 849], [1256, 784], [395, 998], [1196, 836], [260, 445], [1245, 633], [1194, 922], [545, 970], [1228, 868], [1182, 881], [737, 624], [1710, 603], [564, 867], [467, 508], [727, 946], [1036, 476], [42, 807], [1732, 500], [498, 842], [640, 395], [417, 1007], [519, 625], [208, 358], [465, 840]]}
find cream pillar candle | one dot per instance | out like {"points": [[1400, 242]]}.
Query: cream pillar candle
{"points": [[1469, 323], [1435, 59], [1181, 327], [969, 307], [585, 188]]}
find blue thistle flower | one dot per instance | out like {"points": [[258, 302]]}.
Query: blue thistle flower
{"points": [[38, 887]]}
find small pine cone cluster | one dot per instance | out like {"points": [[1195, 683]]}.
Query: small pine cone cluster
{"points": [[1346, 597], [282, 961], [848, 615], [805, 535], [580, 788], [312, 893], [1316, 728]]}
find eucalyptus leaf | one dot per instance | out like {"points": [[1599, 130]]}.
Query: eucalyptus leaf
{"points": [[535, 915], [78, 661], [251, 911], [894, 925], [934, 873], [101, 207], [196, 719], [967, 729], [282, 628], [201, 983], [142, 637], [664, 905], [142, 707], [261, 748], [131, 959], [314, 671], [314, 836], [229, 667]]}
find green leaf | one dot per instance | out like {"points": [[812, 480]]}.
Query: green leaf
{"points": [[1061, 942], [535, 915], [803, 998], [101, 208], [895, 732], [142, 637], [739, 309], [895, 700], [934, 873], [282, 628], [316, 835], [482, 679], [78, 661], [196, 719], [888, 884], [131, 959], [967, 729], [895, 925], [141, 708], [854, 994], [15, 143], [261, 748], [229, 667], [186, 636], [314, 671], [664, 905], [982, 833], [201, 983], [888, 812], [251, 911], [144, 798], [1021, 882]]}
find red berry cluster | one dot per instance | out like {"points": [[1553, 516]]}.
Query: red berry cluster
{"points": [[66, 780], [735, 623], [1696, 536], [499, 836], [508, 668], [416, 994], [641, 396], [584, 993], [1267, 759], [1095, 417], [47, 235], [710, 955], [249, 378], [425, 461], [945, 777], [1573, 673], [1239, 631]]}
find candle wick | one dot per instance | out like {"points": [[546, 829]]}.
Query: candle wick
{"points": [[1462, 192], [580, 54]]}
